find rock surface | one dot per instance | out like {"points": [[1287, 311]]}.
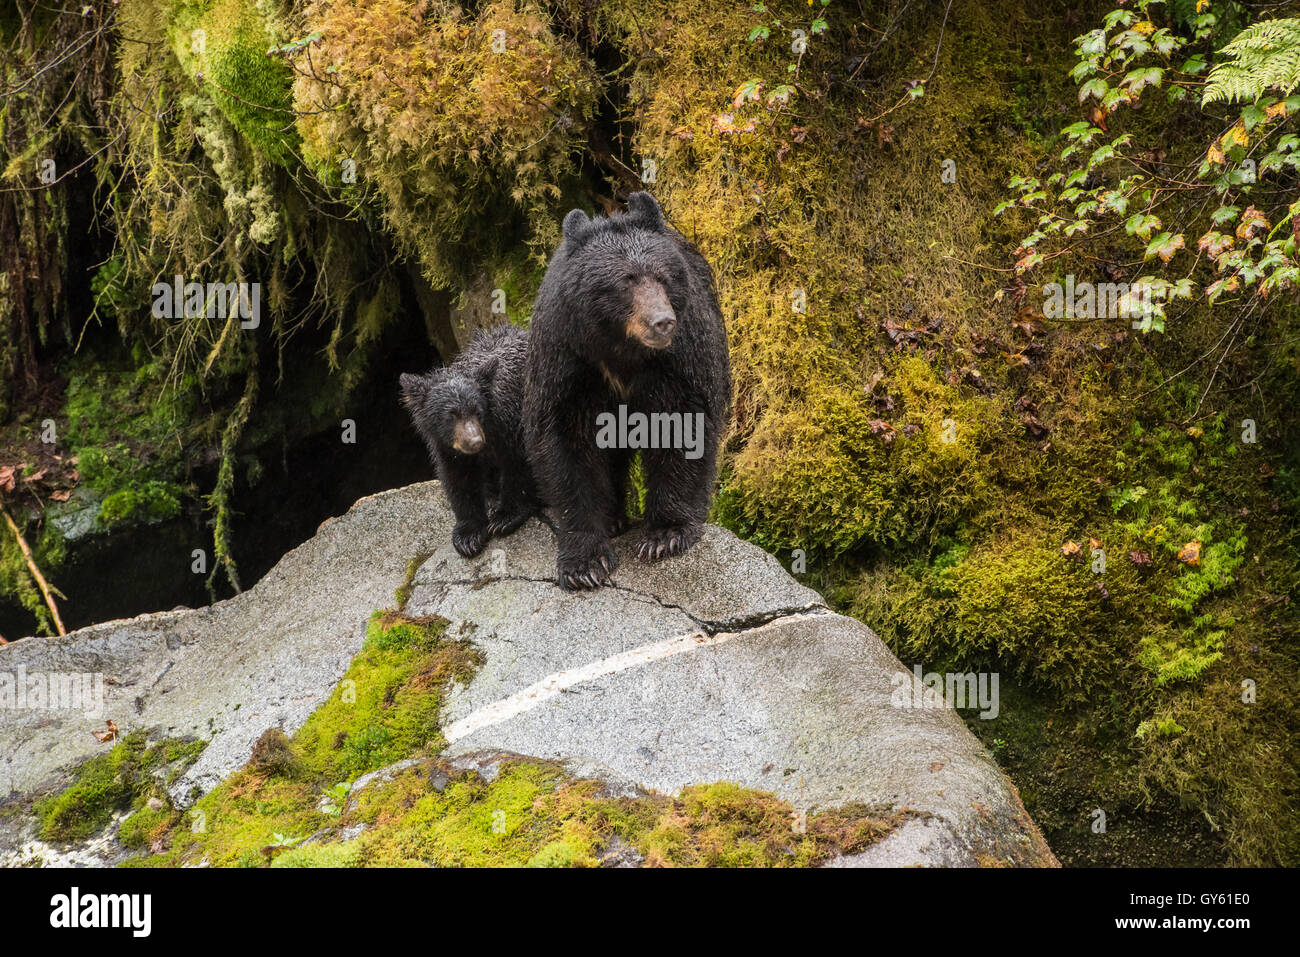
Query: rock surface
{"points": [[716, 665]]}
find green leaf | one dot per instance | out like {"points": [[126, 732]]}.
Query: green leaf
{"points": [[1140, 79], [1224, 214], [1096, 88], [1165, 246], [1141, 225]]}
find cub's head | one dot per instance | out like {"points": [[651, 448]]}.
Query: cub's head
{"points": [[629, 273], [447, 409]]}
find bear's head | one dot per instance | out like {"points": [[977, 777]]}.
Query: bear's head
{"points": [[447, 408], [632, 280]]}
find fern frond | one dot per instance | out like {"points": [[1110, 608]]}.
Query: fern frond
{"points": [[1266, 56]]}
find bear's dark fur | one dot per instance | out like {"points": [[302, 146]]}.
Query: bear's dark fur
{"points": [[468, 414], [627, 314]]}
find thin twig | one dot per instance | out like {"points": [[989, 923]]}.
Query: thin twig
{"points": [[36, 571]]}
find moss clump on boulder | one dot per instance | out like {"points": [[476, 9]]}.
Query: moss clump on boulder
{"points": [[534, 814], [128, 774]]}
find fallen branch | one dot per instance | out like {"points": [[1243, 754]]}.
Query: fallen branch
{"points": [[36, 572]]}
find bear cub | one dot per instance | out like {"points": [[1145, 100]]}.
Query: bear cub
{"points": [[469, 415]]}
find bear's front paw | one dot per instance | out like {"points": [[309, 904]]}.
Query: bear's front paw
{"points": [[660, 543], [588, 569], [504, 523], [469, 539]]}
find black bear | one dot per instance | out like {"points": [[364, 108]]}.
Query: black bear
{"points": [[468, 414], [626, 330]]}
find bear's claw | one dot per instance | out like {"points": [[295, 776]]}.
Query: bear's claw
{"points": [[660, 543], [469, 540], [504, 523], [587, 571]]}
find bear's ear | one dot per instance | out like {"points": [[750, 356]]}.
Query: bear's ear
{"points": [[645, 210], [575, 224], [415, 388], [488, 369]]}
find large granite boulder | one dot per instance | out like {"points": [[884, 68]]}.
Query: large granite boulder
{"points": [[712, 666]]}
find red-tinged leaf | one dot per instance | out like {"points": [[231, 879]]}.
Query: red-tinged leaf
{"points": [[1252, 221]]}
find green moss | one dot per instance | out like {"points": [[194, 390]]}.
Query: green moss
{"points": [[224, 44], [151, 502], [314, 855], [402, 594], [466, 142], [385, 709], [145, 827], [108, 783], [128, 434], [533, 814], [388, 703]]}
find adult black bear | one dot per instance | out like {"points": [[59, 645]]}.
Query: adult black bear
{"points": [[627, 316], [468, 414]]}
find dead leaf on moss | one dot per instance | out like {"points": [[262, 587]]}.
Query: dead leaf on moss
{"points": [[882, 430], [1190, 554]]}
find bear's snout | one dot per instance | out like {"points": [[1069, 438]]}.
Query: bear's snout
{"points": [[653, 321], [469, 436]]}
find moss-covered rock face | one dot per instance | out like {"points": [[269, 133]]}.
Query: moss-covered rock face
{"points": [[532, 814], [477, 121]]}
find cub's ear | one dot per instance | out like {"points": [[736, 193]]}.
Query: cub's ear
{"points": [[645, 210], [415, 389], [575, 224]]}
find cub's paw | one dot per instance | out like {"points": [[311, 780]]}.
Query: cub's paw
{"points": [[504, 523], [660, 543], [469, 539], [590, 568]]}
